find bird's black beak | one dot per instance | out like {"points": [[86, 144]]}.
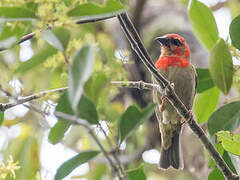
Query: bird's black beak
{"points": [[163, 40]]}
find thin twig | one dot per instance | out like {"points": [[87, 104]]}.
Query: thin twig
{"points": [[138, 85], [114, 153], [169, 92], [84, 123], [83, 21], [22, 100]]}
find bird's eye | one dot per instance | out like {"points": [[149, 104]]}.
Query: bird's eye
{"points": [[176, 42]]}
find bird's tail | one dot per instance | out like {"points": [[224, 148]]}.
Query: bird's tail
{"points": [[171, 156]]}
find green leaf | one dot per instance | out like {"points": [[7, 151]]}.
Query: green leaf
{"points": [[203, 24], [87, 110], [234, 32], [225, 118], [37, 59], [132, 118], [209, 99], [1, 117], [17, 13], [58, 38], [137, 174], [79, 73], [58, 130], [67, 167], [63, 36], [204, 81], [221, 66], [90, 9], [230, 142], [95, 85], [215, 174], [51, 38]]}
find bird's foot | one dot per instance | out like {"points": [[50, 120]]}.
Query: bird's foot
{"points": [[190, 118]]}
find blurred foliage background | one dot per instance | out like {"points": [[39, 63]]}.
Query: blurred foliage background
{"points": [[33, 146]]}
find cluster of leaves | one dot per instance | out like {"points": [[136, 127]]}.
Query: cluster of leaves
{"points": [[219, 77]]}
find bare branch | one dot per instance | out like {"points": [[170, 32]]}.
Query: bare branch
{"points": [[22, 100], [85, 124], [138, 85], [169, 92]]}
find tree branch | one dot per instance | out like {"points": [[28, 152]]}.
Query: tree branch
{"points": [[85, 124], [169, 92], [22, 100], [83, 21], [138, 84]]}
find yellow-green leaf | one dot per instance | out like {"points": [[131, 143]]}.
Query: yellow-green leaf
{"points": [[203, 24], [230, 142], [221, 66]]}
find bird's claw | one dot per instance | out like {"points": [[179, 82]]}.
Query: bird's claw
{"points": [[189, 120]]}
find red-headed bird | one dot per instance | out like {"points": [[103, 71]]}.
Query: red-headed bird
{"points": [[175, 66]]}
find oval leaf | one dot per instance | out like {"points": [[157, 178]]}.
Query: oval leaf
{"points": [[132, 118], [87, 110], [234, 32], [79, 73], [209, 99], [204, 80], [17, 13], [221, 66], [63, 36], [203, 24], [225, 118], [230, 142], [52, 39], [89, 9], [68, 166], [137, 174], [58, 130]]}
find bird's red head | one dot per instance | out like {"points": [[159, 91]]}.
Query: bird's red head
{"points": [[174, 51]]}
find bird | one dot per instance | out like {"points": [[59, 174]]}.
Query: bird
{"points": [[173, 64]]}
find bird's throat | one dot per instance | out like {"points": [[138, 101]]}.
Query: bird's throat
{"points": [[167, 61]]}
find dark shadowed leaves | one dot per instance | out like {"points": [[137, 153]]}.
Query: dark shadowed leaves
{"points": [[58, 130], [221, 66], [137, 174], [203, 24], [225, 118], [86, 110], [79, 73], [68, 166], [234, 32], [132, 118], [204, 81], [209, 99]]}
